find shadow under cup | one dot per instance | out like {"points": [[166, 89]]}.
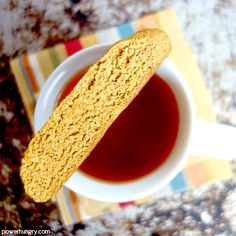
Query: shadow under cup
{"points": [[124, 190]]}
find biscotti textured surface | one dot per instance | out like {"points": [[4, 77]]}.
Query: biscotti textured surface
{"points": [[83, 117]]}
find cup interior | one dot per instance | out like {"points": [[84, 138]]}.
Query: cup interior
{"points": [[127, 191]]}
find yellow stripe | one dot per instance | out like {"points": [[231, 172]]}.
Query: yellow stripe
{"points": [[169, 23], [183, 59], [63, 207], [195, 159], [61, 52], [217, 170], [143, 200], [93, 208], [24, 91], [45, 62], [88, 40]]}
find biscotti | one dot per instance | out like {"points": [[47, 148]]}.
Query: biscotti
{"points": [[83, 117]]}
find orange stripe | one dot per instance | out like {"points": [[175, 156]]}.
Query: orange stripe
{"points": [[30, 73], [74, 202], [148, 21], [196, 174]]}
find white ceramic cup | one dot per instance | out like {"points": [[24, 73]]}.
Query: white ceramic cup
{"points": [[194, 136]]}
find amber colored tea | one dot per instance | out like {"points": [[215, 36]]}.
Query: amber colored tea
{"points": [[140, 139]]}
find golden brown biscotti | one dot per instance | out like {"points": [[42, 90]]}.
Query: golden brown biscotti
{"points": [[82, 118]]}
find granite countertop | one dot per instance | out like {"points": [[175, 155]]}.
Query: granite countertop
{"points": [[210, 29]]}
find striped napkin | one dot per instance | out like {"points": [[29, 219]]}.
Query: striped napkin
{"points": [[31, 71]]}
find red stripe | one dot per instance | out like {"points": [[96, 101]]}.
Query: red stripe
{"points": [[73, 46], [125, 204]]}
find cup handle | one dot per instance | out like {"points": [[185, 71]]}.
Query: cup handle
{"points": [[213, 140]]}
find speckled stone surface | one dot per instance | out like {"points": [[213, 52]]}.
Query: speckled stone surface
{"points": [[206, 211], [32, 25], [210, 29]]}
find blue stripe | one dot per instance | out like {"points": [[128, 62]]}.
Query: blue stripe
{"points": [[27, 80], [178, 183], [68, 203], [125, 30]]}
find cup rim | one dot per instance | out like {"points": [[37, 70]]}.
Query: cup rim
{"points": [[115, 194], [51, 82]]}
